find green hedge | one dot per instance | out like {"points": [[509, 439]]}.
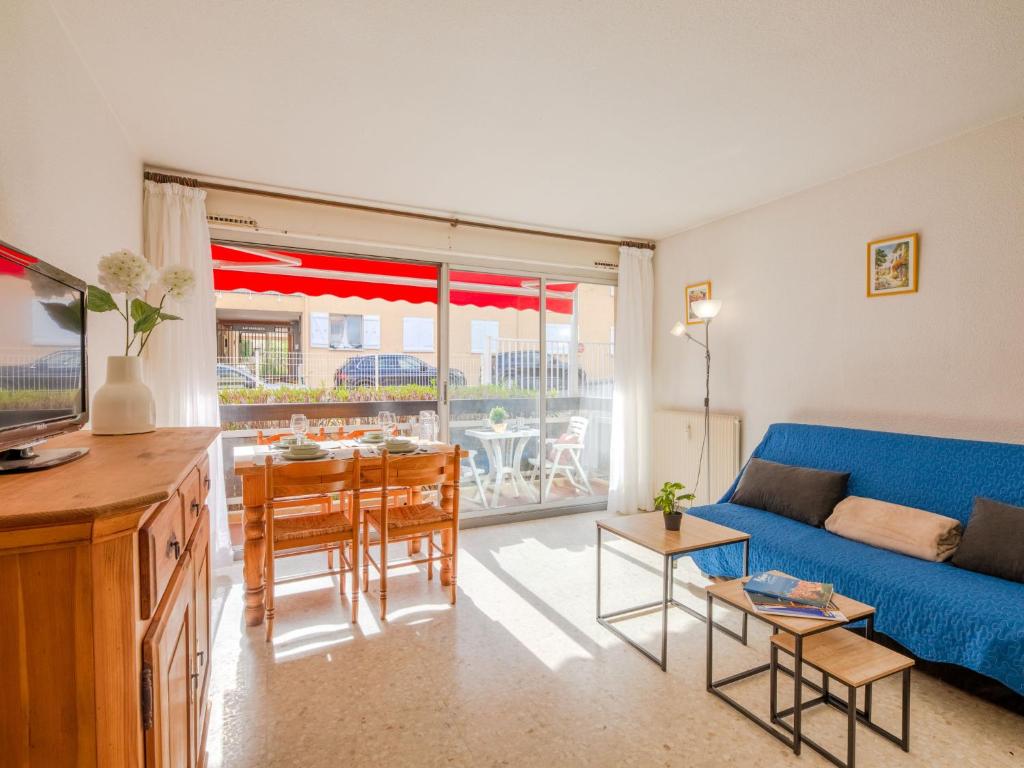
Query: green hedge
{"points": [[289, 394]]}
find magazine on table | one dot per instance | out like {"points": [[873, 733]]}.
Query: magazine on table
{"points": [[787, 589], [776, 607]]}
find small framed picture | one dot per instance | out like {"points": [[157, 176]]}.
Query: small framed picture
{"points": [[696, 292], [892, 266]]}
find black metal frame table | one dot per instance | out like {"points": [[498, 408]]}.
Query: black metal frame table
{"points": [[898, 664], [648, 531], [731, 594]]}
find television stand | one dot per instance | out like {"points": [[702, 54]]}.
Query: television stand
{"points": [[29, 460]]}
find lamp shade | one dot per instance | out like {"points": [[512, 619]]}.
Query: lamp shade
{"points": [[678, 329], [706, 309]]}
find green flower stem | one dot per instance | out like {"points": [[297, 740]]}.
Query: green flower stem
{"points": [[145, 336]]}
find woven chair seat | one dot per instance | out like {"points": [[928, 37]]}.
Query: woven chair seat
{"points": [[294, 527], [410, 515]]}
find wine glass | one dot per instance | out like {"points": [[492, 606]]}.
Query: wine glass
{"points": [[300, 425], [386, 420]]}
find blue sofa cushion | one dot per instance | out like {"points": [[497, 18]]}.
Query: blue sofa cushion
{"points": [[936, 610]]}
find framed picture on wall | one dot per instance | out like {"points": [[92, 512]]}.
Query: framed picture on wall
{"points": [[892, 265], [696, 292]]}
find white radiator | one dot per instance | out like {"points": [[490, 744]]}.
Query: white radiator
{"points": [[677, 439]]}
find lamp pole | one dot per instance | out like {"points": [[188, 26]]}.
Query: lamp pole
{"points": [[707, 399], [706, 310]]}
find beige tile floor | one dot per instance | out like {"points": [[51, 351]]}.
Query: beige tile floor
{"points": [[520, 674]]}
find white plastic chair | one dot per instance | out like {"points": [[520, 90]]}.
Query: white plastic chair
{"points": [[565, 457], [470, 471]]}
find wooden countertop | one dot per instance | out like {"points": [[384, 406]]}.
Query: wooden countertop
{"points": [[120, 473]]}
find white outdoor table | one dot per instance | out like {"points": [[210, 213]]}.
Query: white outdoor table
{"points": [[498, 445]]}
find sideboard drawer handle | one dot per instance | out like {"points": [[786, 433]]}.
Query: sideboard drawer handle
{"points": [[206, 482], [195, 507], [175, 546]]}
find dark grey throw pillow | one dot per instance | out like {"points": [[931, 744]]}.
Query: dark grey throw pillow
{"points": [[807, 495], [993, 541]]}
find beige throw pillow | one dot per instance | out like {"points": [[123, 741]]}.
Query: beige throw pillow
{"points": [[907, 530]]}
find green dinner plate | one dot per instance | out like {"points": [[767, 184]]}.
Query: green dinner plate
{"points": [[304, 455]]}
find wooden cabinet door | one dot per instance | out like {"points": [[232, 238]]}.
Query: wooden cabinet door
{"points": [[168, 660], [201, 558]]}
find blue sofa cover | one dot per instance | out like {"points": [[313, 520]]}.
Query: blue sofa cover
{"points": [[936, 610]]}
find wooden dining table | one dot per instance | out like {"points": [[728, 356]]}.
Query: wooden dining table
{"points": [[250, 465]]}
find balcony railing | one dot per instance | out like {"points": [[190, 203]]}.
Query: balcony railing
{"points": [[510, 363]]}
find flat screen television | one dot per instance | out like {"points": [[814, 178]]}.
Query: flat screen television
{"points": [[43, 390]]}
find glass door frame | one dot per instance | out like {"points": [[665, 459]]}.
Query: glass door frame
{"points": [[543, 507]]}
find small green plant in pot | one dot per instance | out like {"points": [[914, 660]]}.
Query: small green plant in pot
{"points": [[669, 502], [498, 418]]}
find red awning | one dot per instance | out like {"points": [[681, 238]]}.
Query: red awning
{"points": [[310, 274]]}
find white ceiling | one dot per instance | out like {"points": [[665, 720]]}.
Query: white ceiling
{"points": [[630, 118]]}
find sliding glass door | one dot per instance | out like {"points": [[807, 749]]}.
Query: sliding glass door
{"points": [[494, 348], [534, 410], [580, 333]]}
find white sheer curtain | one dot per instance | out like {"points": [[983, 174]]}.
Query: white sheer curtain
{"points": [[631, 401], [181, 359]]}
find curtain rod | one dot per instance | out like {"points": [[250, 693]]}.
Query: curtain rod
{"points": [[163, 178]]}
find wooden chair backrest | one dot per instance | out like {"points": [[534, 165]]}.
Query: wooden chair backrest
{"points": [[420, 469], [263, 439], [311, 478]]}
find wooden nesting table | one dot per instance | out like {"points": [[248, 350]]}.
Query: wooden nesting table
{"points": [[648, 531], [837, 653]]}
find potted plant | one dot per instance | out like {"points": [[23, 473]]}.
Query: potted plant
{"points": [[669, 503], [124, 404], [498, 418]]}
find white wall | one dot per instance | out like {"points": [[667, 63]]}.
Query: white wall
{"points": [[70, 183], [797, 340]]}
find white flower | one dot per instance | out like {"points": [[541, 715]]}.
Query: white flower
{"points": [[125, 272], [178, 281]]}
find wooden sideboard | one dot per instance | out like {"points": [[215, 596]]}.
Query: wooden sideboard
{"points": [[105, 604]]}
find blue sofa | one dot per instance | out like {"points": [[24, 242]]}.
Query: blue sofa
{"points": [[936, 610]]}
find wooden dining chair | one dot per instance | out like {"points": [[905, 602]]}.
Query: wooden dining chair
{"points": [[302, 533], [412, 522]]}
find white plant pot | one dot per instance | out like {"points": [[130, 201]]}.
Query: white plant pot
{"points": [[123, 405]]}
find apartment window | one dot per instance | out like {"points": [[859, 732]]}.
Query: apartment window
{"points": [[335, 331], [418, 334], [479, 333], [559, 335]]}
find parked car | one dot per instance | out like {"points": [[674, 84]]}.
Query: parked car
{"points": [[390, 371], [522, 369], [57, 370], [235, 377]]}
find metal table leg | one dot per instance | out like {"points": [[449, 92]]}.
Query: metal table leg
{"points": [[849, 707], [667, 600], [663, 604], [715, 686], [740, 636]]}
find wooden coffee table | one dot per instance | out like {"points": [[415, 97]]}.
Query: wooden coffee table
{"points": [[648, 531], [731, 593]]}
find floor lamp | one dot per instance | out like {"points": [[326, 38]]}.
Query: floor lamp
{"points": [[707, 310]]}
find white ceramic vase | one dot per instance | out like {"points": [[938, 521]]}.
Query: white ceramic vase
{"points": [[123, 405]]}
